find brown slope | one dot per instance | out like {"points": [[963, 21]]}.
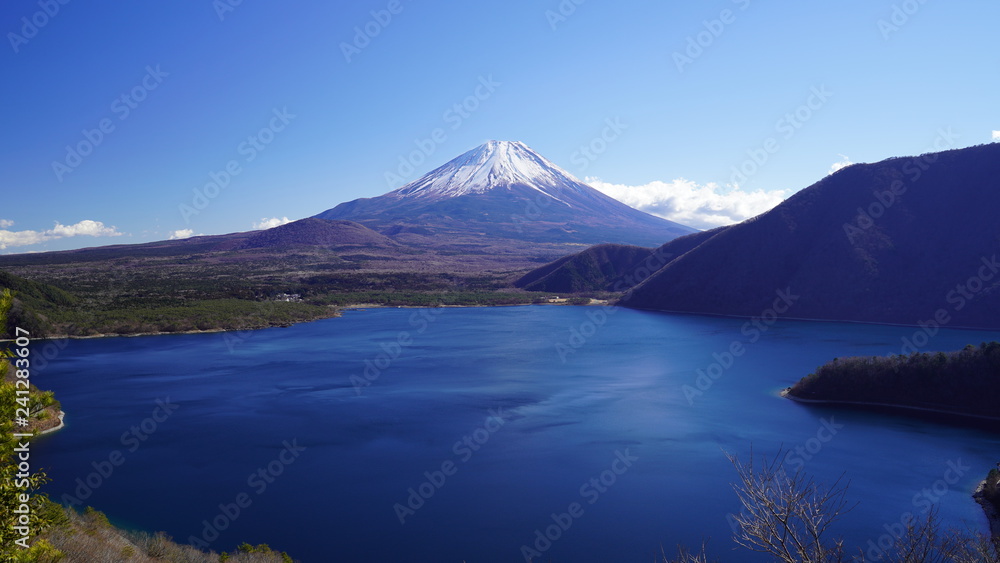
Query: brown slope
{"points": [[316, 232], [305, 232], [848, 256]]}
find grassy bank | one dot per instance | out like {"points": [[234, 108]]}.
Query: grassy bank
{"points": [[89, 536]]}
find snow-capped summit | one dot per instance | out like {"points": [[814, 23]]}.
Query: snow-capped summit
{"points": [[504, 190], [495, 164]]}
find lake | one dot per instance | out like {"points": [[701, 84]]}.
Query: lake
{"points": [[464, 434]]}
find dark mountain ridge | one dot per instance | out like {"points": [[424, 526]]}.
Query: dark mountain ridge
{"points": [[609, 267], [316, 232], [597, 268], [901, 241]]}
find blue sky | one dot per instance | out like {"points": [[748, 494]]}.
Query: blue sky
{"points": [[669, 97]]}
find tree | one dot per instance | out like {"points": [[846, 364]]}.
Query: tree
{"points": [[13, 546], [789, 517]]}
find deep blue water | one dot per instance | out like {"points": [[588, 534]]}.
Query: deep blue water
{"points": [[618, 395]]}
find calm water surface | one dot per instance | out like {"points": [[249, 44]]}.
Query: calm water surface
{"points": [[428, 422]]}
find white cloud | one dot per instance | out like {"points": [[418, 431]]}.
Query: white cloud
{"points": [[996, 135], [26, 238], [84, 228], [182, 233], [686, 202], [844, 162], [271, 223]]}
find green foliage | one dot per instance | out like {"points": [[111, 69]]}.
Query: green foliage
{"points": [[40, 552], [42, 399], [34, 302], [963, 382], [221, 314], [605, 267], [11, 486], [6, 300], [36, 292], [51, 512], [96, 517]]}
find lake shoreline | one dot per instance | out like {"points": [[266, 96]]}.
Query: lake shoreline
{"points": [[992, 514], [593, 303], [979, 495], [889, 406], [166, 333], [802, 319], [341, 309], [60, 426]]}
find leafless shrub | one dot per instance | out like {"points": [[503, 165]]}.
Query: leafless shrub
{"points": [[787, 516]]}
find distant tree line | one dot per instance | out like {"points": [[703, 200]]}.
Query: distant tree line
{"points": [[962, 382]]}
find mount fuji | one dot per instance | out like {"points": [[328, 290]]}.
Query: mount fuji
{"points": [[505, 190]]}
